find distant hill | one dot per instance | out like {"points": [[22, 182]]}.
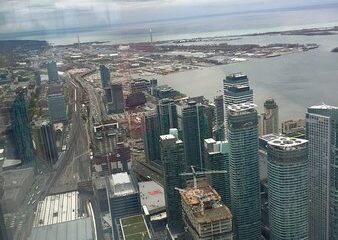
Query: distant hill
{"points": [[8, 46]]}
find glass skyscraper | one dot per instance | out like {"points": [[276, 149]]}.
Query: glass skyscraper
{"points": [[151, 138], [167, 115], [244, 171], [236, 90], [105, 76], [288, 188], [172, 156], [321, 131], [52, 71], [22, 130]]}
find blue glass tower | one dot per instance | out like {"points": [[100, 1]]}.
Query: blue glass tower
{"points": [[244, 171], [105, 76]]}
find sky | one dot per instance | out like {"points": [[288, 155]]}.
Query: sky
{"points": [[36, 15]]}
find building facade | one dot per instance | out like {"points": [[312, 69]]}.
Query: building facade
{"points": [[116, 105], [52, 71], [288, 188], [49, 142], [217, 158], [151, 138], [167, 115], [236, 90], [172, 156], [321, 132], [270, 119], [22, 130], [105, 76], [57, 108], [244, 171]]}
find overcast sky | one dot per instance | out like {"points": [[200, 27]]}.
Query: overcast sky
{"points": [[27, 15]]}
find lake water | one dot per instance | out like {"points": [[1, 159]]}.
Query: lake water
{"points": [[295, 81]]}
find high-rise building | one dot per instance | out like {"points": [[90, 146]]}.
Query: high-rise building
{"points": [[57, 107], [172, 156], [22, 130], [48, 142], [244, 171], [322, 134], [3, 231], [167, 115], [288, 188], [236, 90], [116, 105], [151, 138], [217, 158], [204, 214], [52, 71], [269, 119], [219, 117], [105, 76], [193, 124]]}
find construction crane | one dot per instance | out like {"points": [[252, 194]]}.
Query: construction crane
{"points": [[194, 174]]}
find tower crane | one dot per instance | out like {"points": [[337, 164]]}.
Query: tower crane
{"points": [[194, 174]]}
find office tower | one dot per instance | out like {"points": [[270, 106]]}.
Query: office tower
{"points": [[219, 117], [321, 132], [269, 119], [52, 71], [57, 107], [288, 180], [217, 158], [115, 102], [172, 156], [236, 90], [105, 76], [151, 138], [21, 129], [193, 124], [204, 214], [244, 171], [167, 115], [48, 142]]}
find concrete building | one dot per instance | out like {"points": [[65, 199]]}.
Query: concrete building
{"points": [[115, 100], [22, 130], [269, 119], [193, 124], [288, 180], [167, 115], [105, 76], [57, 108], [151, 138], [52, 72], [205, 216], [123, 198], [244, 171], [64, 216], [322, 134], [172, 156], [217, 158], [236, 90], [291, 126]]}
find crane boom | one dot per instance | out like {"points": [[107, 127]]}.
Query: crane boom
{"points": [[195, 174]]}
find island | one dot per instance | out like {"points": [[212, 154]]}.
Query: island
{"points": [[335, 50]]}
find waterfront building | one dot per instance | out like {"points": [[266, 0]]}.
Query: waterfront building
{"points": [[321, 132], [217, 158], [57, 107], [167, 115], [172, 156], [52, 72], [151, 138], [269, 119], [21, 129], [244, 171], [204, 214], [193, 124], [219, 117], [288, 180], [236, 90], [48, 142], [105, 76]]}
